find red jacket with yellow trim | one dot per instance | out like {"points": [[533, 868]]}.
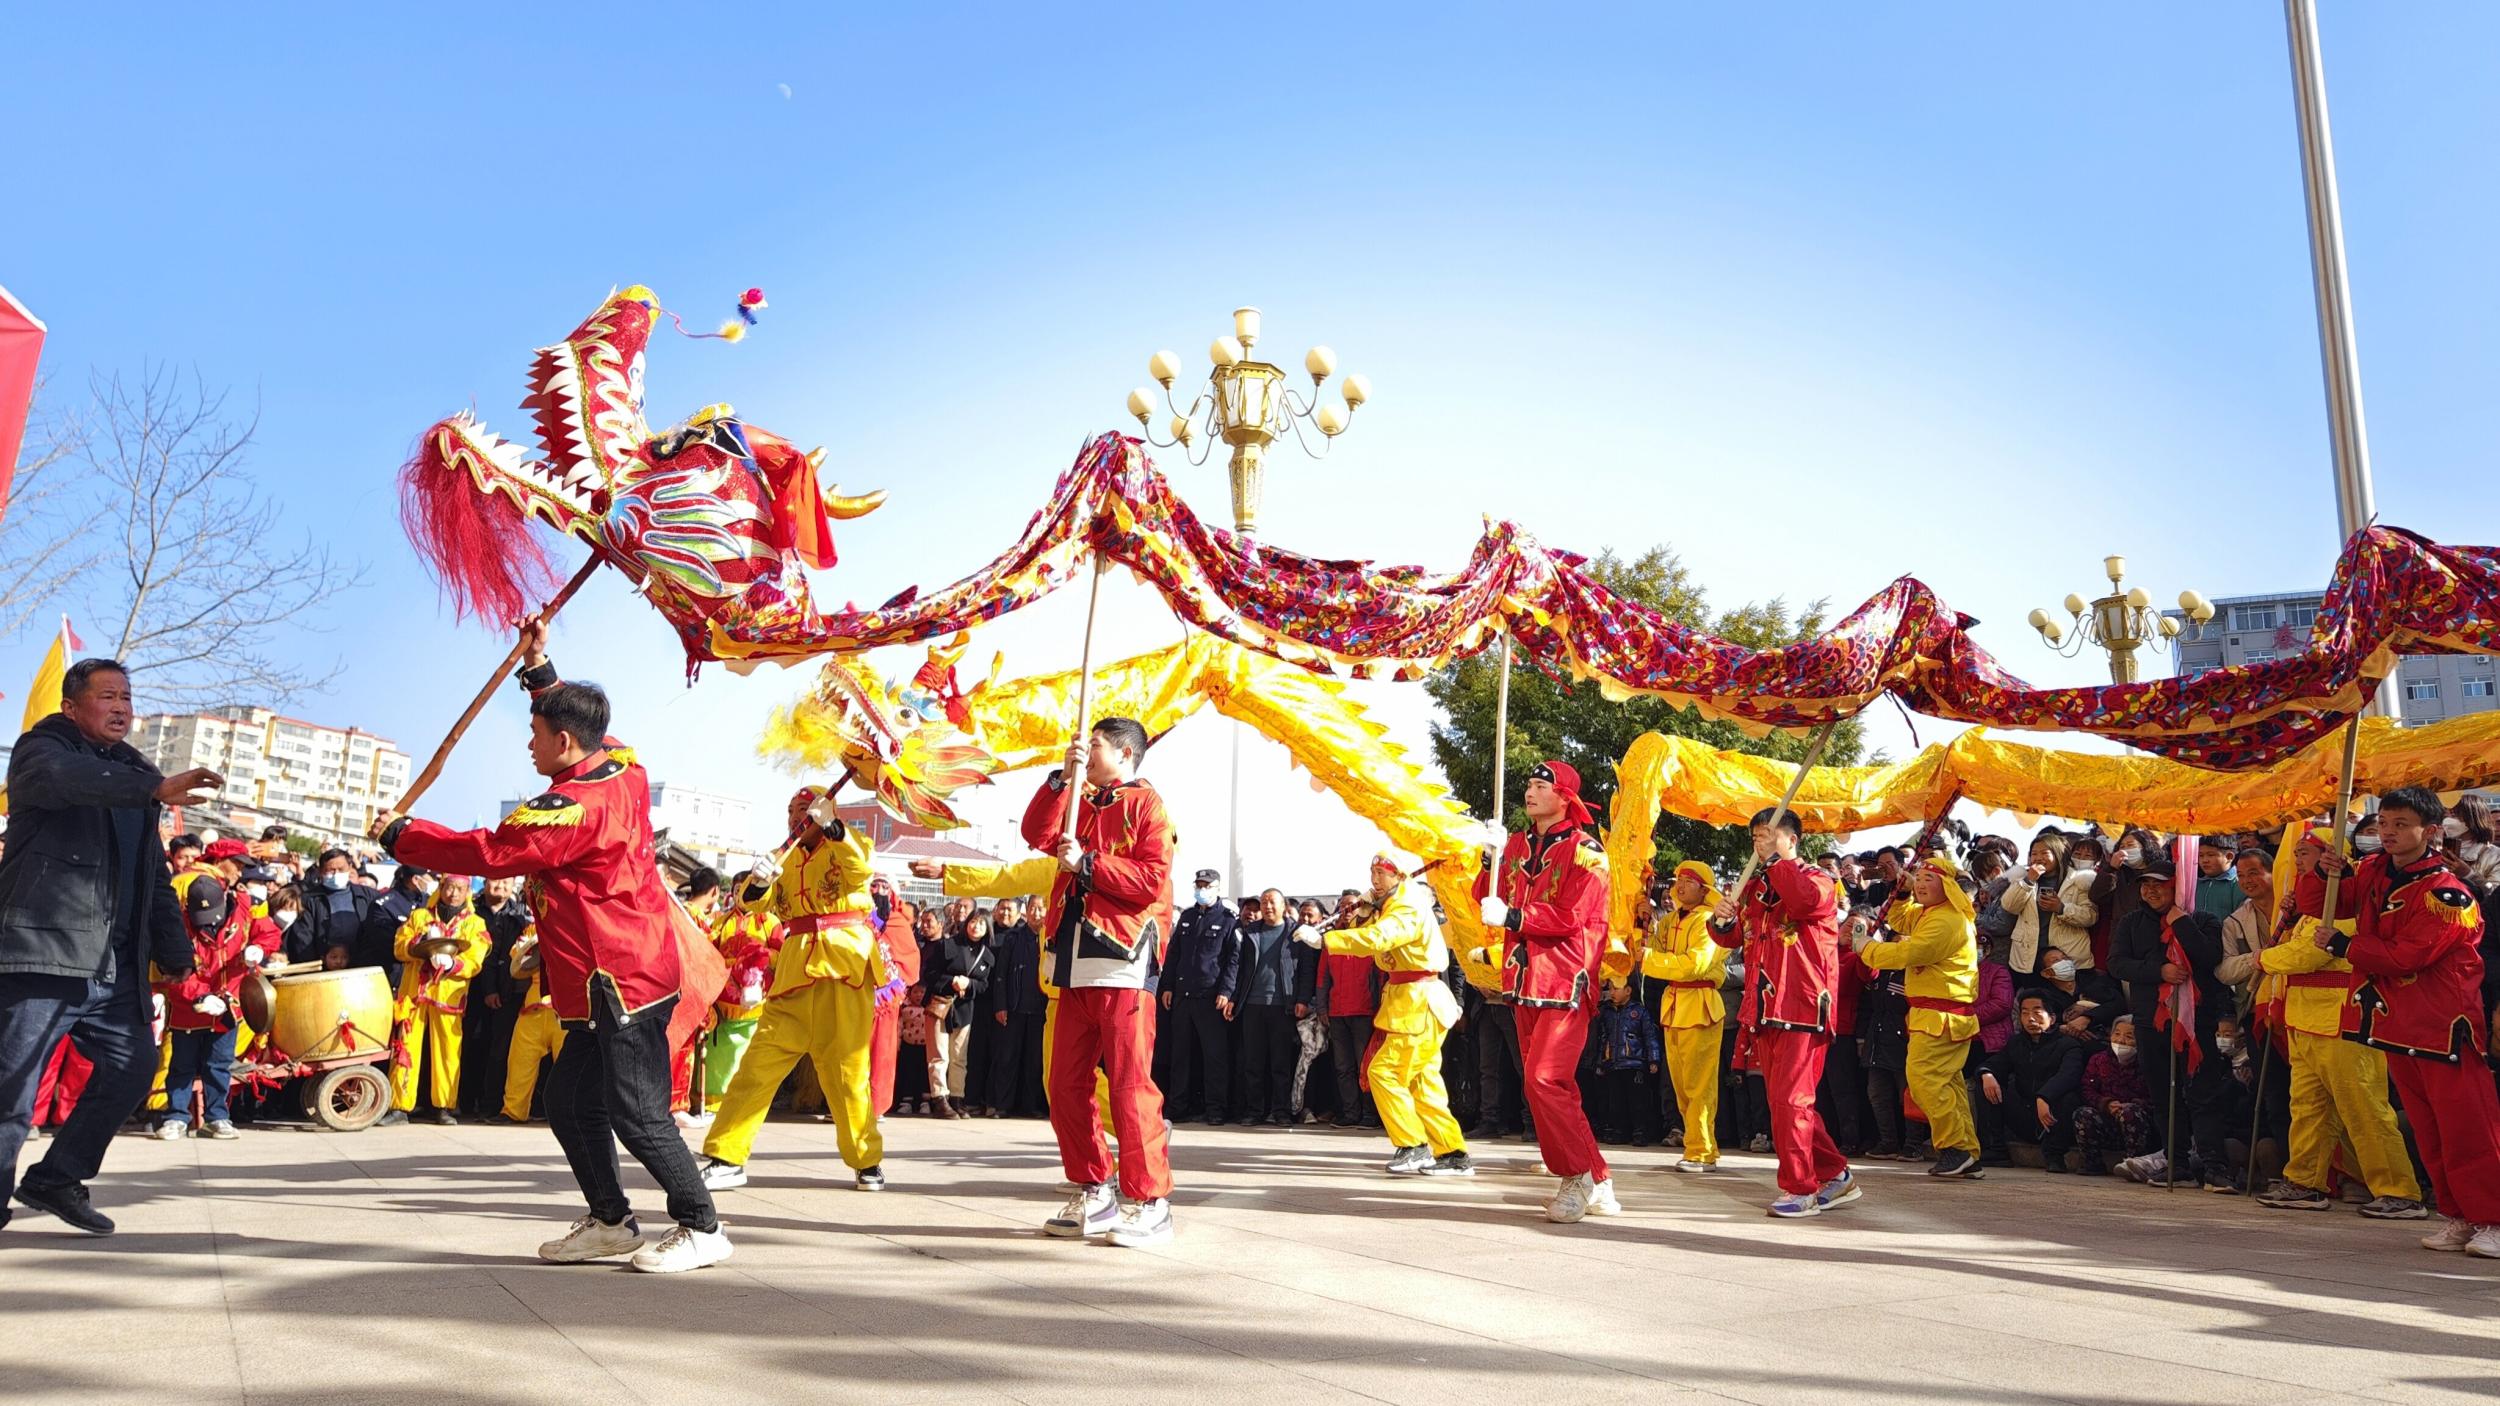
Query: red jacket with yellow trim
{"points": [[1555, 886], [1790, 916], [2415, 935], [1126, 884], [594, 890]]}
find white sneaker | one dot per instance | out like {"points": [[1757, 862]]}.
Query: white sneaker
{"points": [[682, 1249], [171, 1131], [1093, 1210], [1142, 1223], [1411, 1161], [723, 1176], [692, 1120], [592, 1239], [1602, 1200], [2453, 1234], [2486, 1242], [1571, 1202], [1697, 1168]]}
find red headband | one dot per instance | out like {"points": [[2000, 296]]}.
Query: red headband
{"points": [[1565, 778]]}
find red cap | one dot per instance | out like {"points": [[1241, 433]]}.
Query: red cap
{"points": [[226, 849], [1565, 778]]}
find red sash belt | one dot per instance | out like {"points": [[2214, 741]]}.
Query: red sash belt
{"points": [[819, 922], [1401, 978], [2340, 981], [1940, 1003]]}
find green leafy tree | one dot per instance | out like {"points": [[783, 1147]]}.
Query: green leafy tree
{"points": [[1576, 723]]}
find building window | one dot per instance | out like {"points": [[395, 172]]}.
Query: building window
{"points": [[2300, 616], [2421, 690], [2252, 617], [2475, 688]]}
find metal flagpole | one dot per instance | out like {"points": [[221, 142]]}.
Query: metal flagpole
{"points": [[2339, 351]]}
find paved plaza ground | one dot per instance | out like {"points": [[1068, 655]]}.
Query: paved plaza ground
{"points": [[396, 1266]]}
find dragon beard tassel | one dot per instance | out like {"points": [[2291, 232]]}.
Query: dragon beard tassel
{"points": [[482, 549]]}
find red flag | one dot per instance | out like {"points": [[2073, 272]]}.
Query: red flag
{"points": [[21, 344], [2176, 1012]]}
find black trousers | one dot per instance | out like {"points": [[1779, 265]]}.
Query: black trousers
{"points": [[1841, 1098], [485, 1047], [1348, 1037], [1497, 1068], [1883, 1093], [2205, 1099], [1629, 1105], [610, 1085], [1269, 1050], [2019, 1119], [1202, 1045], [1015, 1074]]}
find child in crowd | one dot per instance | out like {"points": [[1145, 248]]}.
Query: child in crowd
{"points": [[1628, 1050]]}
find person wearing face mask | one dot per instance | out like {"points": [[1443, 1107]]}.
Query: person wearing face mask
{"points": [[2472, 843], [2067, 983], [443, 946], [2167, 955], [1201, 976], [335, 911], [2050, 904], [2116, 1114], [412, 887]]}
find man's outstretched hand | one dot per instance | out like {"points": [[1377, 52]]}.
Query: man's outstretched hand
{"points": [[186, 788], [534, 641]]}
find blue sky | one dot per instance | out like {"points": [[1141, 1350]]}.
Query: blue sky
{"points": [[1819, 295]]}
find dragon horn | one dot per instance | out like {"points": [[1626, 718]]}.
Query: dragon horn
{"points": [[838, 506], [843, 509]]}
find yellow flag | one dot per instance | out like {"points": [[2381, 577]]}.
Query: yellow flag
{"points": [[43, 696]]}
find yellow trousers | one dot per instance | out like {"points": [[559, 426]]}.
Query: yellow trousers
{"points": [[2339, 1093], [433, 1036], [1102, 1081], [829, 1022], [1693, 1063], [157, 1100], [1406, 1087], [536, 1035], [1935, 1079]]}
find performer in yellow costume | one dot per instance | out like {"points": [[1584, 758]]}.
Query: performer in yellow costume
{"points": [[2339, 1086], [1938, 953], [822, 1001], [749, 944], [1026, 878], [441, 947], [536, 1033], [1692, 1013], [1415, 1015]]}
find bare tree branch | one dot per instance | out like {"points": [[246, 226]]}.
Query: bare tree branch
{"points": [[201, 586], [47, 542]]}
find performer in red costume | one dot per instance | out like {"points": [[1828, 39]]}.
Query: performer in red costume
{"points": [[1549, 895], [1103, 931], [611, 965], [1790, 914], [2415, 935]]}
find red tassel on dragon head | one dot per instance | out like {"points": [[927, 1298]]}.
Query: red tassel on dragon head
{"points": [[715, 521]]}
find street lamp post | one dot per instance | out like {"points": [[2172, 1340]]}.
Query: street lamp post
{"points": [[2121, 622], [1249, 405]]}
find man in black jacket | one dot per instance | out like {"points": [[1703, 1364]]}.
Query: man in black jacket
{"points": [[495, 997], [411, 888], [2167, 955], [1200, 967], [1016, 1008], [2031, 1086], [85, 906], [336, 909]]}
